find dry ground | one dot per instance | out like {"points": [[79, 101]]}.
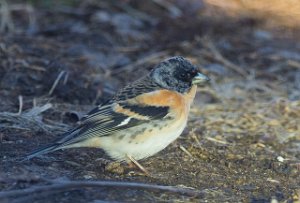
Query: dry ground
{"points": [[58, 60]]}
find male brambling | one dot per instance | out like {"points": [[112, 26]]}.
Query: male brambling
{"points": [[141, 119]]}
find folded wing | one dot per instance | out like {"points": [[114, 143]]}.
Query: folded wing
{"points": [[104, 121]]}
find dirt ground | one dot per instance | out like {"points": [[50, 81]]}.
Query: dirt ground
{"points": [[59, 60]]}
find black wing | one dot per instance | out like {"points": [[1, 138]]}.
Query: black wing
{"points": [[104, 120]]}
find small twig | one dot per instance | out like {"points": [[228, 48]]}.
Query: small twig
{"points": [[30, 120], [60, 186], [294, 64], [195, 137], [20, 104], [66, 78], [34, 102], [138, 165], [5, 16], [216, 140], [35, 111], [185, 151], [37, 68], [56, 82]]}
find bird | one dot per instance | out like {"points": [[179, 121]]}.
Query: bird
{"points": [[141, 119]]}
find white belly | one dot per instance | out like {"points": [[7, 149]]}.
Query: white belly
{"points": [[155, 139]]}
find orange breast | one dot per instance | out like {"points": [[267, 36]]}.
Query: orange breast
{"points": [[177, 101]]}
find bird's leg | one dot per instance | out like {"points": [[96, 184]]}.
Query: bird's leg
{"points": [[136, 163]]}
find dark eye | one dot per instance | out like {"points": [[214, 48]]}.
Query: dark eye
{"points": [[185, 76]]}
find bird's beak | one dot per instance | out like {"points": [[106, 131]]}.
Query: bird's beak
{"points": [[200, 78]]}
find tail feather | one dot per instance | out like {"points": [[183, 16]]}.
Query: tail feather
{"points": [[58, 144], [43, 150]]}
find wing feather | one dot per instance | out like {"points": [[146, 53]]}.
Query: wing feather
{"points": [[105, 120]]}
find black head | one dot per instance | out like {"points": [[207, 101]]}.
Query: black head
{"points": [[177, 74]]}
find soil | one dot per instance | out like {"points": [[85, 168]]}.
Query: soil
{"points": [[242, 142]]}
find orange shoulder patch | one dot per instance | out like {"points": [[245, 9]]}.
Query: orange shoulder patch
{"points": [[167, 98], [161, 98]]}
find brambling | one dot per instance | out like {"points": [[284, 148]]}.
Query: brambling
{"points": [[141, 119]]}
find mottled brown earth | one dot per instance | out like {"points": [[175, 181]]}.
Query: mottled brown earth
{"points": [[242, 143]]}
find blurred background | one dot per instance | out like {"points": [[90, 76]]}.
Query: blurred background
{"points": [[58, 59]]}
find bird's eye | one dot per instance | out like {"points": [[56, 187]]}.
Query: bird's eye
{"points": [[185, 76]]}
